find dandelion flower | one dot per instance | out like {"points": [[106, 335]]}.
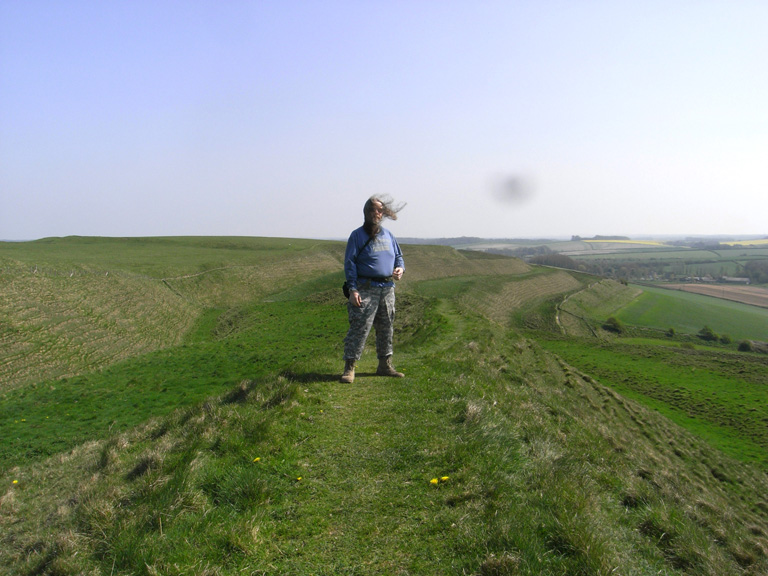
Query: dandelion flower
{"points": [[298, 479], [434, 481], [15, 481], [444, 479], [257, 459]]}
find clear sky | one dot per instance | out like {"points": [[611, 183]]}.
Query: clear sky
{"points": [[512, 118]]}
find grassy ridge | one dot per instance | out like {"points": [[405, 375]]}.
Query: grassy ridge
{"points": [[77, 304], [294, 473], [538, 468], [719, 395], [711, 390], [42, 420]]}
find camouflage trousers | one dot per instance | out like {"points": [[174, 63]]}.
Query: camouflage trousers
{"points": [[378, 311]]}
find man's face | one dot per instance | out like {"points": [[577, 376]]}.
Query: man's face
{"points": [[376, 213]]}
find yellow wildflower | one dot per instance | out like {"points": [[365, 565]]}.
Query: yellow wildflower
{"points": [[444, 479], [434, 481], [257, 459]]}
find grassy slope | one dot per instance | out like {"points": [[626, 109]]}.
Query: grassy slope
{"points": [[548, 472], [709, 389], [78, 304]]}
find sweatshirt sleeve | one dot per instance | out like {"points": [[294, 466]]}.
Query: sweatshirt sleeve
{"points": [[399, 262], [350, 266]]}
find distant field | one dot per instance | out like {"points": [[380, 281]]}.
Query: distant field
{"points": [[688, 313], [761, 242], [668, 254], [752, 295], [627, 242]]}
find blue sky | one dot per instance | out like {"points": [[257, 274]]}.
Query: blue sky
{"points": [[496, 119]]}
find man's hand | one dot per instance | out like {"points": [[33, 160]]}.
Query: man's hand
{"points": [[397, 273], [354, 298]]}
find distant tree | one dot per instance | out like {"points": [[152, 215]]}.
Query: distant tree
{"points": [[671, 332], [708, 334], [725, 339], [745, 346], [613, 325], [757, 271]]}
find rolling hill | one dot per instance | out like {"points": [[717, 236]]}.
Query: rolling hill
{"points": [[171, 406]]}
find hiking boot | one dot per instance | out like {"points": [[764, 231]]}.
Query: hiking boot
{"points": [[349, 372], [386, 369]]}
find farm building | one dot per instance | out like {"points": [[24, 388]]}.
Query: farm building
{"points": [[733, 280]]}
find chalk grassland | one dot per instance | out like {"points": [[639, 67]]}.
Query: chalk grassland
{"points": [[498, 296], [79, 304], [712, 390], [497, 302], [752, 295], [493, 456], [582, 312], [719, 397]]}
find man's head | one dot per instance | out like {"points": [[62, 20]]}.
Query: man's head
{"points": [[376, 209]]}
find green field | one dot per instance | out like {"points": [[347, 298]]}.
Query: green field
{"points": [[172, 406], [688, 313]]}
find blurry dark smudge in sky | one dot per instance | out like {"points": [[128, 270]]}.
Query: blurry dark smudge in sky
{"points": [[514, 189]]}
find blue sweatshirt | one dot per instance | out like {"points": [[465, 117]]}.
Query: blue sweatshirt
{"points": [[378, 260]]}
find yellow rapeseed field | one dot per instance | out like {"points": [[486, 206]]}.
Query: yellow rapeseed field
{"points": [[760, 242]]}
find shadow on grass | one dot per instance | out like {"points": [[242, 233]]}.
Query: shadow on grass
{"points": [[307, 377]]}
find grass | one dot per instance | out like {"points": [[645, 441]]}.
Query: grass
{"points": [[280, 469], [54, 416], [689, 313], [74, 305], [720, 396]]}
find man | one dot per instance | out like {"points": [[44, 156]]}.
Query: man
{"points": [[372, 263]]}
